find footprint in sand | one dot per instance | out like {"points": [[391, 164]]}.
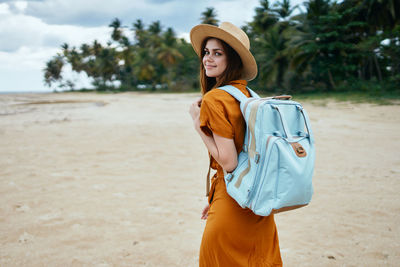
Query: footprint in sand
{"points": [[22, 208], [25, 238], [99, 187], [49, 216]]}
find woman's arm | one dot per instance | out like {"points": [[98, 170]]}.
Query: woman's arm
{"points": [[222, 149]]}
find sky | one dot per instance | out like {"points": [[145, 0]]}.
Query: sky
{"points": [[31, 32]]}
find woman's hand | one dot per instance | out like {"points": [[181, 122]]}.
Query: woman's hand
{"points": [[204, 214], [195, 112]]}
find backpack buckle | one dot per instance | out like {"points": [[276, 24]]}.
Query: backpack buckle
{"points": [[299, 150]]}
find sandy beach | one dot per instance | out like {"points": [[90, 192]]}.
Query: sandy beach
{"points": [[119, 180]]}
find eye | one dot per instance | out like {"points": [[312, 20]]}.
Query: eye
{"points": [[206, 52], [218, 54]]}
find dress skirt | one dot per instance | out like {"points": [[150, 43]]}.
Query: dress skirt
{"points": [[234, 236]]}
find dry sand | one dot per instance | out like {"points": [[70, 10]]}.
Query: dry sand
{"points": [[118, 180]]}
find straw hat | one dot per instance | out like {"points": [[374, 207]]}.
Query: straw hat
{"points": [[231, 35]]}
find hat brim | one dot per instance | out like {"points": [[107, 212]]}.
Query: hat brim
{"points": [[203, 31]]}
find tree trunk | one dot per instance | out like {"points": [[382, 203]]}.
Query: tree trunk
{"points": [[377, 68], [331, 79]]}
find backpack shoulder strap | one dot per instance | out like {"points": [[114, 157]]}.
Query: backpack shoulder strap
{"points": [[252, 93], [236, 93]]}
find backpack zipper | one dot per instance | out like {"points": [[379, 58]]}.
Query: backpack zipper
{"points": [[256, 181]]}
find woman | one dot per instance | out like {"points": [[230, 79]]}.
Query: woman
{"points": [[233, 236]]}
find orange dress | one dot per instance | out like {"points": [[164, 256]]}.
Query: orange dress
{"points": [[233, 236]]}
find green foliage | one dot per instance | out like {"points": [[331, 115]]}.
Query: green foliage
{"points": [[328, 47], [153, 59], [52, 72], [209, 16]]}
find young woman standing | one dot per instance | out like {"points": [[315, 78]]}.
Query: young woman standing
{"points": [[233, 236]]}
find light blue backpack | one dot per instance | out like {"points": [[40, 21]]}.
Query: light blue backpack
{"points": [[276, 165]]}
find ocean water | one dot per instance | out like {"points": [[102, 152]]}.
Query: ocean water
{"points": [[24, 92]]}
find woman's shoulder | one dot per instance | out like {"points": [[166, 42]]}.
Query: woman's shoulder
{"points": [[216, 95]]}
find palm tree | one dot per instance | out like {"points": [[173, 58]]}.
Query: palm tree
{"points": [[85, 50], [271, 31], [144, 68], [168, 55], [155, 28], [263, 19], [382, 14], [274, 60], [314, 43], [284, 10], [316, 9], [186, 69], [65, 49], [116, 34], [209, 16], [382, 17], [140, 33], [52, 71], [96, 48]]}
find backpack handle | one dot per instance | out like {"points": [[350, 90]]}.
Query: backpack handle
{"points": [[282, 97], [279, 97], [286, 128], [306, 122], [283, 122]]}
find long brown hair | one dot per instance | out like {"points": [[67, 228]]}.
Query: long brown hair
{"points": [[232, 72]]}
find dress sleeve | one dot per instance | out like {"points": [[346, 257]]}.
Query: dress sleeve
{"points": [[213, 119]]}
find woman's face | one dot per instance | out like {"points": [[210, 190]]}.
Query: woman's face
{"points": [[214, 59]]}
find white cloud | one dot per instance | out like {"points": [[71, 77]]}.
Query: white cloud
{"points": [[22, 30], [22, 70], [184, 35], [25, 58], [182, 15], [236, 11], [93, 12], [30, 43], [4, 9], [21, 5]]}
